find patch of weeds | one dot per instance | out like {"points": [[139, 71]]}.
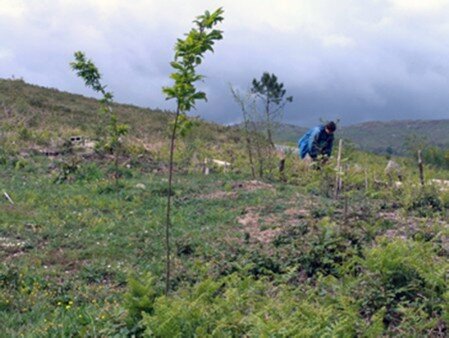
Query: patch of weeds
{"points": [[120, 171], [324, 256], [424, 201], [259, 263], [384, 224], [397, 276], [109, 187], [291, 233], [319, 211], [97, 273], [185, 247], [89, 172], [67, 170], [139, 299]]}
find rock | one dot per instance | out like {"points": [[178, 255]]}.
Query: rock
{"points": [[392, 170]]}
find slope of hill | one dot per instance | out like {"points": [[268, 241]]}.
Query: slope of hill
{"points": [[45, 115], [382, 137], [84, 254]]}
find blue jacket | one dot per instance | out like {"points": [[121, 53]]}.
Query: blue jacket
{"points": [[316, 142]]}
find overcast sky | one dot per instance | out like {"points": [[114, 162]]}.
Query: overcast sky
{"points": [[356, 60]]}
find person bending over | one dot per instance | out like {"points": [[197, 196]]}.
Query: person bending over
{"points": [[317, 142]]}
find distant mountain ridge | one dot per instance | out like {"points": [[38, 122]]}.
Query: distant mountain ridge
{"points": [[381, 136]]}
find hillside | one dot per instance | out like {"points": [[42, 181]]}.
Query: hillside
{"points": [[54, 116], [85, 257], [83, 251], [34, 116], [379, 136]]}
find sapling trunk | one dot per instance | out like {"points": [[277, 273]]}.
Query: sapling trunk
{"points": [[267, 114], [421, 168], [345, 212], [116, 171], [344, 188], [241, 102], [189, 55], [167, 221], [260, 156], [250, 156], [338, 176], [248, 143], [366, 181]]}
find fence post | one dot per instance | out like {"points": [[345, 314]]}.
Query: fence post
{"points": [[282, 169], [366, 181]]}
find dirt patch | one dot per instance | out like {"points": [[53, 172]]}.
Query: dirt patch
{"points": [[294, 212], [12, 248], [59, 258], [218, 195], [261, 230], [252, 185], [154, 147], [239, 186], [406, 227]]}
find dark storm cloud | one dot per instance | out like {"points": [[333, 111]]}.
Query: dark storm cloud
{"points": [[378, 60]]}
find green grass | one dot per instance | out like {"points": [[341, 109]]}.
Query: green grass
{"points": [[83, 255], [78, 242], [69, 249]]}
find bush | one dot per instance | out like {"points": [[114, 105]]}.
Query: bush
{"points": [[238, 306], [139, 299], [424, 201], [399, 278], [89, 172]]}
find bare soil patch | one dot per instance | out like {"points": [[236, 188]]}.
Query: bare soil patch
{"points": [[239, 186], [266, 228]]}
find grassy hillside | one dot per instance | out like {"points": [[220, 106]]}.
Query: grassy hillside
{"points": [[82, 254], [250, 257], [54, 116], [33, 116], [378, 137]]}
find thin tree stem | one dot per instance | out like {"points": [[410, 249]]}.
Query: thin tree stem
{"points": [[421, 168], [248, 145], [167, 223]]}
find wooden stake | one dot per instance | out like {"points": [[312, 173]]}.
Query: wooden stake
{"points": [[8, 198], [205, 167], [338, 175], [282, 169], [421, 168]]}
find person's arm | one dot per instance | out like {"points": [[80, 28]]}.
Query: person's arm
{"points": [[328, 148]]}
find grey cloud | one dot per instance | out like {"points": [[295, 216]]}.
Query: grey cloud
{"points": [[359, 63]]}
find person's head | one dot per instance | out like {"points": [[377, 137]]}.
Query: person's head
{"points": [[330, 127]]}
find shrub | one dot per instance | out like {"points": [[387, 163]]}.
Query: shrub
{"points": [[423, 201], [139, 299], [401, 277], [238, 306]]}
